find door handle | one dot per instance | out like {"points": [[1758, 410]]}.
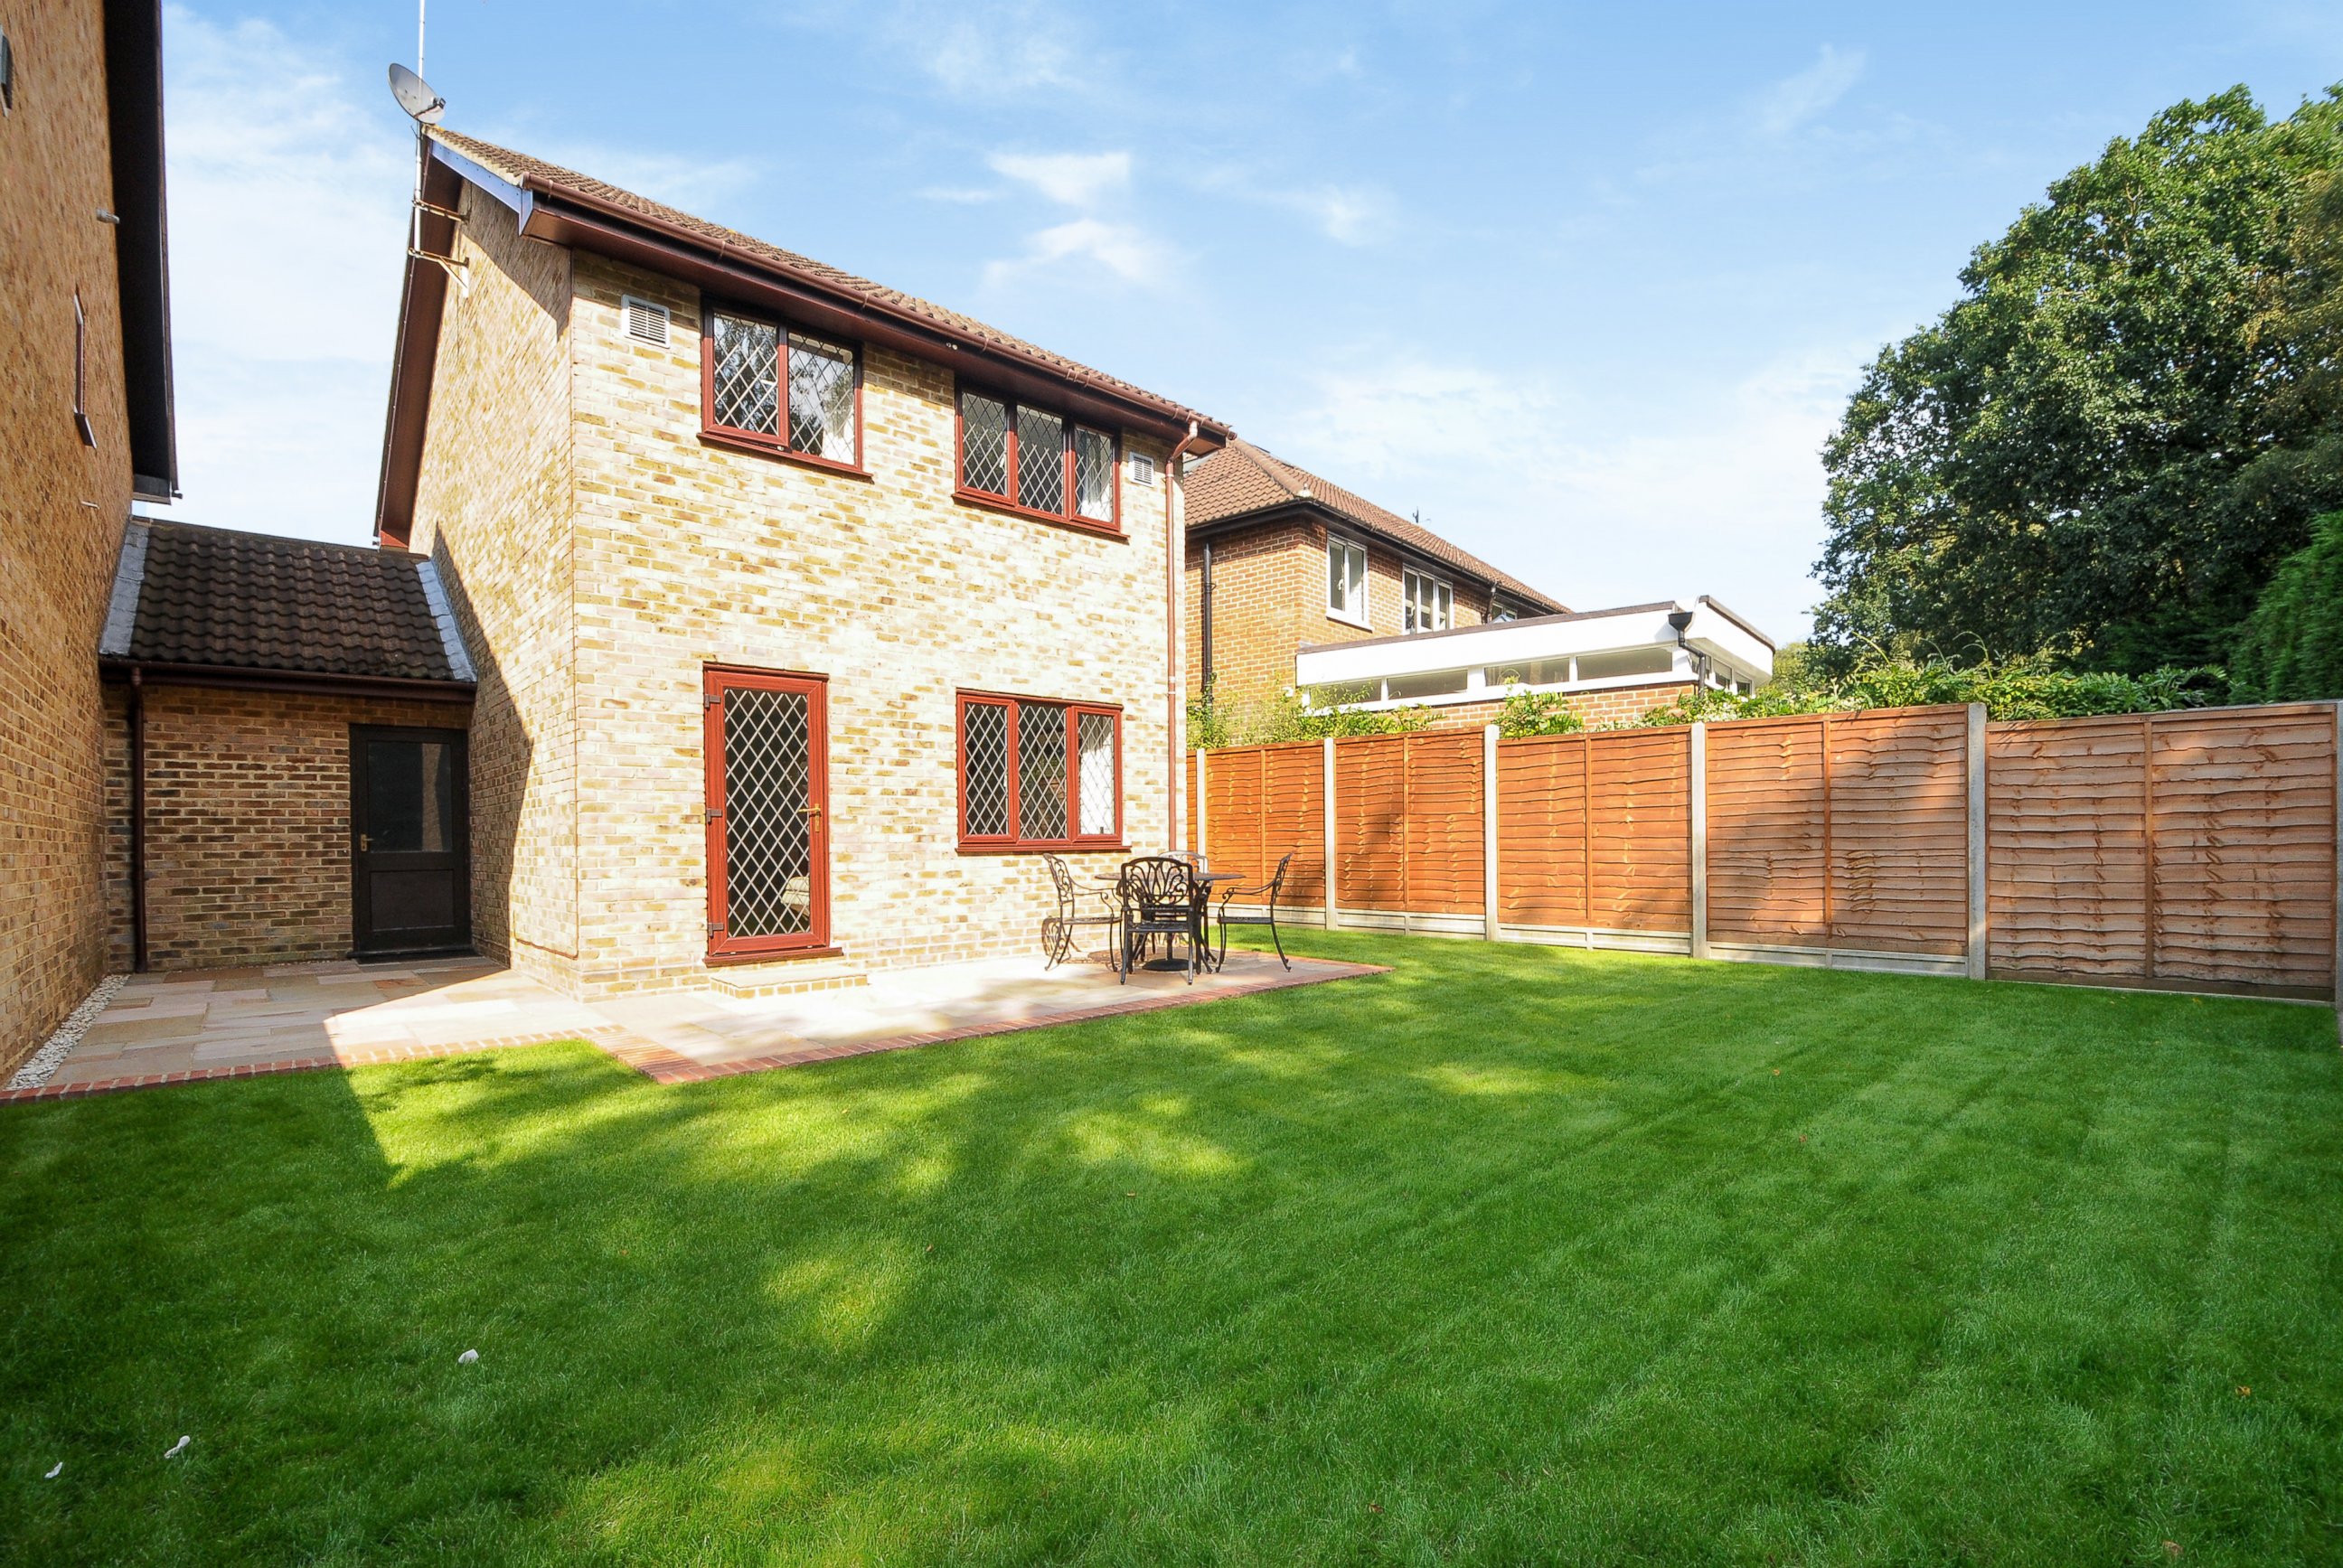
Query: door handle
{"points": [[365, 843], [809, 810]]}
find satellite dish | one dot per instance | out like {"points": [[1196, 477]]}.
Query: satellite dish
{"points": [[415, 97]]}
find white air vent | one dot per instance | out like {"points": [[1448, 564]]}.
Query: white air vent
{"points": [[1143, 468], [646, 322]]}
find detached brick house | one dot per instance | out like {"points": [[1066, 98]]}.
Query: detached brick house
{"points": [[85, 427], [1296, 583], [802, 613]]}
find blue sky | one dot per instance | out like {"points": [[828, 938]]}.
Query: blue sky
{"points": [[1586, 285]]}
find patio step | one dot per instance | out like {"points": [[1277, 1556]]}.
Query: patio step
{"points": [[789, 978]]}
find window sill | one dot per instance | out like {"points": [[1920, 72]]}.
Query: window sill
{"points": [[731, 442], [784, 955], [977, 498], [1339, 619], [1087, 847]]}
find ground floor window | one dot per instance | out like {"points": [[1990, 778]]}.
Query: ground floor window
{"points": [[768, 828], [1037, 773]]}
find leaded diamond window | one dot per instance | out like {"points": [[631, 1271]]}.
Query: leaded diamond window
{"points": [[1039, 773], [984, 736], [1021, 455], [821, 398], [1094, 475], [1041, 461], [788, 390], [984, 444], [1096, 789], [748, 385], [767, 849]]}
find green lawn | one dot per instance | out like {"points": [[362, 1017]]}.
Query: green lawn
{"points": [[1515, 1254]]}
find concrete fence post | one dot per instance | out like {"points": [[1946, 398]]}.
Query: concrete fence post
{"points": [[1977, 849], [1489, 832], [1699, 791], [1326, 794], [1202, 852]]}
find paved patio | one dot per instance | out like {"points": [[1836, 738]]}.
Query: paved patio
{"points": [[229, 1023]]}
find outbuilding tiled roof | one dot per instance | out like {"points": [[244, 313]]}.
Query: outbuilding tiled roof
{"points": [[1240, 479], [533, 173], [225, 598]]}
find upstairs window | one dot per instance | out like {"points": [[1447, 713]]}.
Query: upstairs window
{"points": [[1346, 581], [1037, 774], [1012, 454], [767, 385], [1425, 602]]}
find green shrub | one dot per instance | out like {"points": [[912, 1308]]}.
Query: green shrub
{"points": [[2291, 649], [1537, 713], [2018, 689], [1214, 722]]}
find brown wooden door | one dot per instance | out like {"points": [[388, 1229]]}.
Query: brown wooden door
{"points": [[768, 748], [410, 851]]}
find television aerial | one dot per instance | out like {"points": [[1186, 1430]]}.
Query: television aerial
{"points": [[415, 97]]}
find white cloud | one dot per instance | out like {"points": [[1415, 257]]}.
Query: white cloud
{"points": [[1795, 100], [1587, 498], [1348, 214], [288, 190], [995, 50], [1128, 253], [1074, 179]]}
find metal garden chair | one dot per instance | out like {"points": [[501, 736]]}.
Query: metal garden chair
{"points": [[1265, 914], [1059, 930], [1158, 897]]}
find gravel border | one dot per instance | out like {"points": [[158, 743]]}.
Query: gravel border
{"points": [[44, 1063]]}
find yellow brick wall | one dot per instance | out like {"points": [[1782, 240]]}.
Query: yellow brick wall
{"points": [[62, 508], [689, 555], [494, 509], [602, 556]]}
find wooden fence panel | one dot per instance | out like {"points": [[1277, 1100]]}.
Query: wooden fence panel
{"points": [[1767, 825], [1641, 787], [1899, 793], [1234, 805], [1444, 839], [2066, 848], [1195, 822], [1541, 847], [2242, 805], [1371, 842]]}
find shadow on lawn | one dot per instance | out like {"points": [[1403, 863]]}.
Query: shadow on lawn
{"points": [[1191, 1284]]}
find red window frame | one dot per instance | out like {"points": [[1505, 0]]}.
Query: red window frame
{"points": [[1006, 500], [1011, 842], [814, 941], [756, 441]]}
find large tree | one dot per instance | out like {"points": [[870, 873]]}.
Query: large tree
{"points": [[2102, 451]]}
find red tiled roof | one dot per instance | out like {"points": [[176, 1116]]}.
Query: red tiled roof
{"points": [[223, 598], [1240, 479], [536, 175]]}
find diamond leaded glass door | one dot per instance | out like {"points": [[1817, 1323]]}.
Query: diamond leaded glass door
{"points": [[767, 813]]}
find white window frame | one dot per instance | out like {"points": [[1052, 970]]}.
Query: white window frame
{"points": [[1442, 608], [1343, 611]]}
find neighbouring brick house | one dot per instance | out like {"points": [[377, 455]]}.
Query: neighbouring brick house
{"points": [[86, 425], [803, 613], [1280, 559], [1296, 583]]}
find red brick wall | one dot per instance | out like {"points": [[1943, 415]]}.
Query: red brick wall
{"points": [[1612, 705], [247, 822], [62, 507]]}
